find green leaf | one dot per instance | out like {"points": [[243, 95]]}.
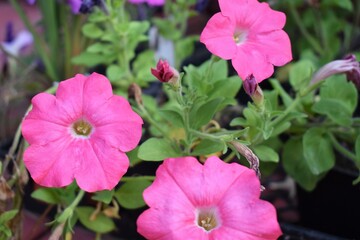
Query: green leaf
{"points": [[338, 100], [142, 65], [266, 153], [185, 47], [296, 166], [133, 157], [335, 110], [201, 115], [357, 151], [114, 73], [8, 215], [91, 59], [101, 224], [103, 196], [157, 149], [207, 147], [90, 30], [129, 195], [172, 116], [345, 4], [226, 87], [318, 151], [300, 74], [48, 195]]}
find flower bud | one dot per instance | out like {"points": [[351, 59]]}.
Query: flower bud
{"points": [[348, 65], [253, 89], [354, 74], [165, 73], [250, 85]]}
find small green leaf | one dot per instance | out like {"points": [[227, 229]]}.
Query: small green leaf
{"points": [[91, 59], [226, 87], [133, 157], [296, 166], [101, 224], [48, 195], [266, 153], [103, 196], [201, 115], [114, 73], [207, 147], [129, 195], [345, 4], [91, 30], [8, 215], [157, 149], [318, 151], [300, 74], [335, 110]]}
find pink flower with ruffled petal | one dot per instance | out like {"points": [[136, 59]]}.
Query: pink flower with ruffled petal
{"points": [[250, 34], [81, 133], [216, 200]]}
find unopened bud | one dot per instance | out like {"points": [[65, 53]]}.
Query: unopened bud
{"points": [[253, 89], [347, 65], [250, 85], [165, 73]]}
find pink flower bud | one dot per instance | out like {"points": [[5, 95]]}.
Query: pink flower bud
{"points": [[250, 85], [354, 74], [164, 72]]}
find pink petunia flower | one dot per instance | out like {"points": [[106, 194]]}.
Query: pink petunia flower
{"points": [[150, 2], [249, 33], [81, 133], [216, 200]]}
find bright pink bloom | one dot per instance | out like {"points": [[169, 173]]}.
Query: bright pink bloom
{"points": [[216, 200], [81, 133], [249, 33], [150, 2]]}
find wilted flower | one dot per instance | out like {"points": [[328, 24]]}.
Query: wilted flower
{"points": [[250, 34], [187, 201], [348, 65], [164, 72], [81, 133]]}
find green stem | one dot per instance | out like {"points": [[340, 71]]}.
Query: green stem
{"points": [[292, 106], [303, 30], [145, 114], [205, 135], [338, 147], [68, 212], [38, 41], [127, 179]]}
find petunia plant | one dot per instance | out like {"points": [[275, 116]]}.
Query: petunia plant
{"points": [[128, 125]]}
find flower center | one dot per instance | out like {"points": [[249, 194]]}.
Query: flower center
{"points": [[239, 36], [82, 128], [207, 219]]}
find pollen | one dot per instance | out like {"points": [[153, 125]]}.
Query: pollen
{"points": [[207, 219], [82, 128]]}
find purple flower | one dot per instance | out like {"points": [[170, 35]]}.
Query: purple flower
{"points": [[150, 2], [74, 4]]}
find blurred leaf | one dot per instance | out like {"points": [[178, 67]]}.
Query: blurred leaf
{"points": [[345, 4], [114, 72], [296, 166], [8, 215], [103, 196], [91, 59], [129, 195], [90, 30], [357, 151], [133, 157], [48, 195], [318, 151], [266, 153], [101, 224], [157, 149], [185, 47]]}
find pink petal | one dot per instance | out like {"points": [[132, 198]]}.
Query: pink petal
{"points": [[124, 136], [70, 95], [252, 15], [156, 2], [249, 60], [40, 132], [275, 45], [242, 210], [218, 36], [52, 165], [115, 110], [99, 166], [213, 170]]}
